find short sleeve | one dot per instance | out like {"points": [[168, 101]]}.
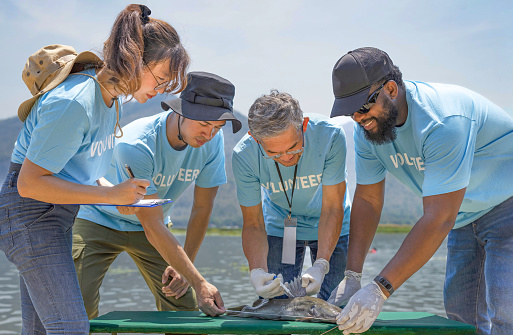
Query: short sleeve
{"points": [[59, 133], [248, 184], [448, 155], [335, 170], [369, 169], [213, 173]]}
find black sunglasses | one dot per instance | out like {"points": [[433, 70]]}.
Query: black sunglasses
{"points": [[370, 101]]}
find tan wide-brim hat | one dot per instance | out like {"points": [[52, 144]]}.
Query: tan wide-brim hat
{"points": [[47, 68]]}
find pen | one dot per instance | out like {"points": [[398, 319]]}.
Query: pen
{"points": [[129, 170]]}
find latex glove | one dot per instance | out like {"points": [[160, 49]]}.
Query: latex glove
{"points": [[312, 279], [345, 290], [178, 285], [362, 309], [265, 284]]}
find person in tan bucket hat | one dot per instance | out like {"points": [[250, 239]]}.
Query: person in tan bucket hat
{"points": [[47, 68], [65, 149]]}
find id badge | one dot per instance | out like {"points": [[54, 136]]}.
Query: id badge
{"points": [[288, 255]]}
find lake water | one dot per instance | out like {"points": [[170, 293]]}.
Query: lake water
{"points": [[222, 263]]}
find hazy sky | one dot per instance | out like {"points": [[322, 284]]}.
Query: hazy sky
{"points": [[288, 45]]}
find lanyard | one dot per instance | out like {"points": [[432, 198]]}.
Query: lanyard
{"points": [[283, 186]]}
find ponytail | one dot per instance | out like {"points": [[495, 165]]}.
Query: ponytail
{"points": [[135, 39]]}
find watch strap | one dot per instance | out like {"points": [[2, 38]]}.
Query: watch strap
{"points": [[385, 283]]}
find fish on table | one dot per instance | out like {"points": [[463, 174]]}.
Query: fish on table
{"points": [[297, 307], [307, 309]]}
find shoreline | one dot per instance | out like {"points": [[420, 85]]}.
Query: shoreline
{"points": [[383, 228]]}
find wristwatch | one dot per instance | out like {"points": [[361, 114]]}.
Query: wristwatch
{"points": [[385, 283]]}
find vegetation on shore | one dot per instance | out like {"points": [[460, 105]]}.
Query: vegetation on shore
{"points": [[386, 228], [390, 228]]}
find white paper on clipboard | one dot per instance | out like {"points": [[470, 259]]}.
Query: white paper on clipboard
{"points": [[140, 203]]}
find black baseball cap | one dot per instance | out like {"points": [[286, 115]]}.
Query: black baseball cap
{"points": [[207, 97], [353, 76]]}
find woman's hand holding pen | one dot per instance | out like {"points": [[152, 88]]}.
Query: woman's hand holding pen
{"points": [[128, 192], [138, 192]]}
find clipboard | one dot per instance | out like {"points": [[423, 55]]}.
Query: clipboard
{"points": [[140, 203]]}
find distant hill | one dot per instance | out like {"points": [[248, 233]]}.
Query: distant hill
{"points": [[401, 205]]}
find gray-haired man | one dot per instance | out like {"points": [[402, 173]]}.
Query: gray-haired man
{"points": [[299, 164]]}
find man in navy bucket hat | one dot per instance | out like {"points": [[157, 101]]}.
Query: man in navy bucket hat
{"points": [[206, 89], [172, 149], [450, 146]]}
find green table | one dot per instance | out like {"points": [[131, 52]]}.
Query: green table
{"points": [[198, 323]]}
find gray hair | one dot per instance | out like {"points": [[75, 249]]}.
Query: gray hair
{"points": [[273, 114]]}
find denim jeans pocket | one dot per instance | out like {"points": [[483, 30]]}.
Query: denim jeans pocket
{"points": [[9, 184], [6, 240], [36, 211]]}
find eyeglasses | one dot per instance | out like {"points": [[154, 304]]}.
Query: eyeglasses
{"points": [[294, 152], [370, 101], [159, 85]]}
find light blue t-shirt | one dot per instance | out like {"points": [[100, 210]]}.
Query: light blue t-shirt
{"points": [[70, 131], [453, 138], [323, 162], [146, 149]]}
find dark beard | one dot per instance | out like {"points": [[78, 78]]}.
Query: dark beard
{"points": [[386, 125]]}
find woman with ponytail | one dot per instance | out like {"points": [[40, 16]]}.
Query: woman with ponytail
{"points": [[64, 150]]}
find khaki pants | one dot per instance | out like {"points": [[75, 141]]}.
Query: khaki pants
{"points": [[95, 247]]}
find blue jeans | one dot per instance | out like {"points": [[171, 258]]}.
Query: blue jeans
{"points": [[479, 277], [337, 262], [36, 237]]}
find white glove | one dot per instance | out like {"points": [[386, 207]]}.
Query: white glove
{"points": [[345, 290], [266, 285], [362, 309], [313, 277]]}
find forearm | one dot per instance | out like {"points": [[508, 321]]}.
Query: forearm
{"points": [[152, 220], [196, 230], [255, 246], [198, 221], [440, 213], [365, 216], [417, 248], [254, 237], [172, 252], [38, 183], [330, 226], [361, 234], [51, 189], [330, 221]]}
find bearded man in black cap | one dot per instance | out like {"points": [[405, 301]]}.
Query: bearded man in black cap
{"points": [[172, 150], [450, 146]]}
